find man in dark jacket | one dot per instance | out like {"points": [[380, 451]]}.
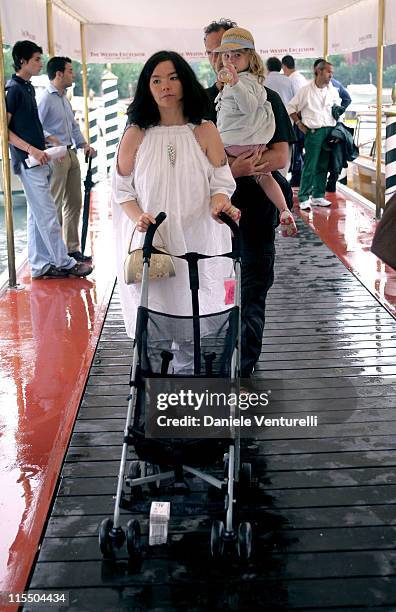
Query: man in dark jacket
{"points": [[259, 215], [341, 146]]}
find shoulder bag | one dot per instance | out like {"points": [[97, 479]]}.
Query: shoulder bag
{"points": [[161, 264]]}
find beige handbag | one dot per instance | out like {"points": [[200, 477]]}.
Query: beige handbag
{"points": [[161, 264]]}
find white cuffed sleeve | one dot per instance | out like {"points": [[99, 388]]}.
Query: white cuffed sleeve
{"points": [[123, 187], [221, 181]]}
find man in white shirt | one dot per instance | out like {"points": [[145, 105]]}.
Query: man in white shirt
{"points": [[297, 79], [278, 82], [283, 86], [311, 111]]}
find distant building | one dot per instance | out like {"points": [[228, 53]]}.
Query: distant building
{"points": [[358, 56]]}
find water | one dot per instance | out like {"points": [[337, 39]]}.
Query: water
{"points": [[20, 236]]}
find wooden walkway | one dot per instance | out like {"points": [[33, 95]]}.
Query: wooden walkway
{"points": [[324, 511]]}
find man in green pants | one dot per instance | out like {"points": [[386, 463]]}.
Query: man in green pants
{"points": [[311, 111]]}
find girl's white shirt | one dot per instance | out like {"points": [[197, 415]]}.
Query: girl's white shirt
{"points": [[244, 115]]}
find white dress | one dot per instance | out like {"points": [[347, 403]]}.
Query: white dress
{"points": [[183, 192]]}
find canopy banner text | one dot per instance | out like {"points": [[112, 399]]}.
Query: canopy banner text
{"points": [[354, 28], [24, 20], [107, 43]]}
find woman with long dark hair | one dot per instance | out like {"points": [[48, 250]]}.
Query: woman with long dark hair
{"points": [[170, 159]]}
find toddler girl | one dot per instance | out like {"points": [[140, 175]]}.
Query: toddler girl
{"points": [[244, 116]]}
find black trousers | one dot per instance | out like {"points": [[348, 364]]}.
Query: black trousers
{"points": [[257, 279], [258, 222], [297, 161]]}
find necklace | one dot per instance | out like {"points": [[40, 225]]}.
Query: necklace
{"points": [[172, 154]]}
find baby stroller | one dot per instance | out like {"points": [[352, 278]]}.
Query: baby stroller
{"points": [[216, 354]]}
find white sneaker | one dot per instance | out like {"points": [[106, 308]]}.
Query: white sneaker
{"points": [[321, 202], [306, 205]]}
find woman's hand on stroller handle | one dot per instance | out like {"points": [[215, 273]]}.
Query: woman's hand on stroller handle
{"points": [[224, 206], [144, 221]]}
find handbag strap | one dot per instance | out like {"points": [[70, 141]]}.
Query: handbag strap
{"points": [[131, 240]]}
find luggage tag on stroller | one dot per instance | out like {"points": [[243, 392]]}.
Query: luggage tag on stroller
{"points": [[159, 518], [229, 286]]}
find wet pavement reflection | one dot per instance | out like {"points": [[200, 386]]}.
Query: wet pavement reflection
{"points": [[48, 334], [347, 227]]}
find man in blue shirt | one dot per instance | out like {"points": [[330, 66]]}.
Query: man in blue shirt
{"points": [[278, 82], [283, 86], [57, 118], [47, 253]]}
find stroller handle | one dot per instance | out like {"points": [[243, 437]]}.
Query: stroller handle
{"points": [[234, 227], [148, 241]]}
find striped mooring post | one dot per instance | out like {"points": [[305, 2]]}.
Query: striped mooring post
{"points": [[390, 153], [93, 133], [110, 98]]}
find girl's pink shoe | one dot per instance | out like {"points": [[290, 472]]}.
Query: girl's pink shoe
{"points": [[288, 225]]}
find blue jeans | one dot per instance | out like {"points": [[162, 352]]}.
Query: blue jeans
{"points": [[45, 245]]}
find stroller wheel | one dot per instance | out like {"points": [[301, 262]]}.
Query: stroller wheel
{"points": [[105, 541], [216, 539], [244, 544], [245, 476], [133, 539]]}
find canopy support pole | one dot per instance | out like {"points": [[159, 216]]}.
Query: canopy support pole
{"points": [[379, 199], [50, 29], [6, 174], [84, 81], [325, 36]]}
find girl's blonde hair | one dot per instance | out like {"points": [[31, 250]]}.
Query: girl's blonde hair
{"points": [[256, 65]]}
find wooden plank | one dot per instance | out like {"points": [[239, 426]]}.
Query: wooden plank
{"points": [[344, 477], [112, 436], [108, 364], [94, 419], [57, 575], [329, 372], [387, 364], [350, 539], [271, 481], [94, 465], [370, 343], [107, 444], [332, 339], [298, 498], [330, 517], [98, 421], [290, 388]]}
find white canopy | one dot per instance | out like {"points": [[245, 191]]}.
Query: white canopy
{"points": [[128, 30]]}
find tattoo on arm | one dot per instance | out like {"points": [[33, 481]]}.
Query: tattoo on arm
{"points": [[224, 161]]}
